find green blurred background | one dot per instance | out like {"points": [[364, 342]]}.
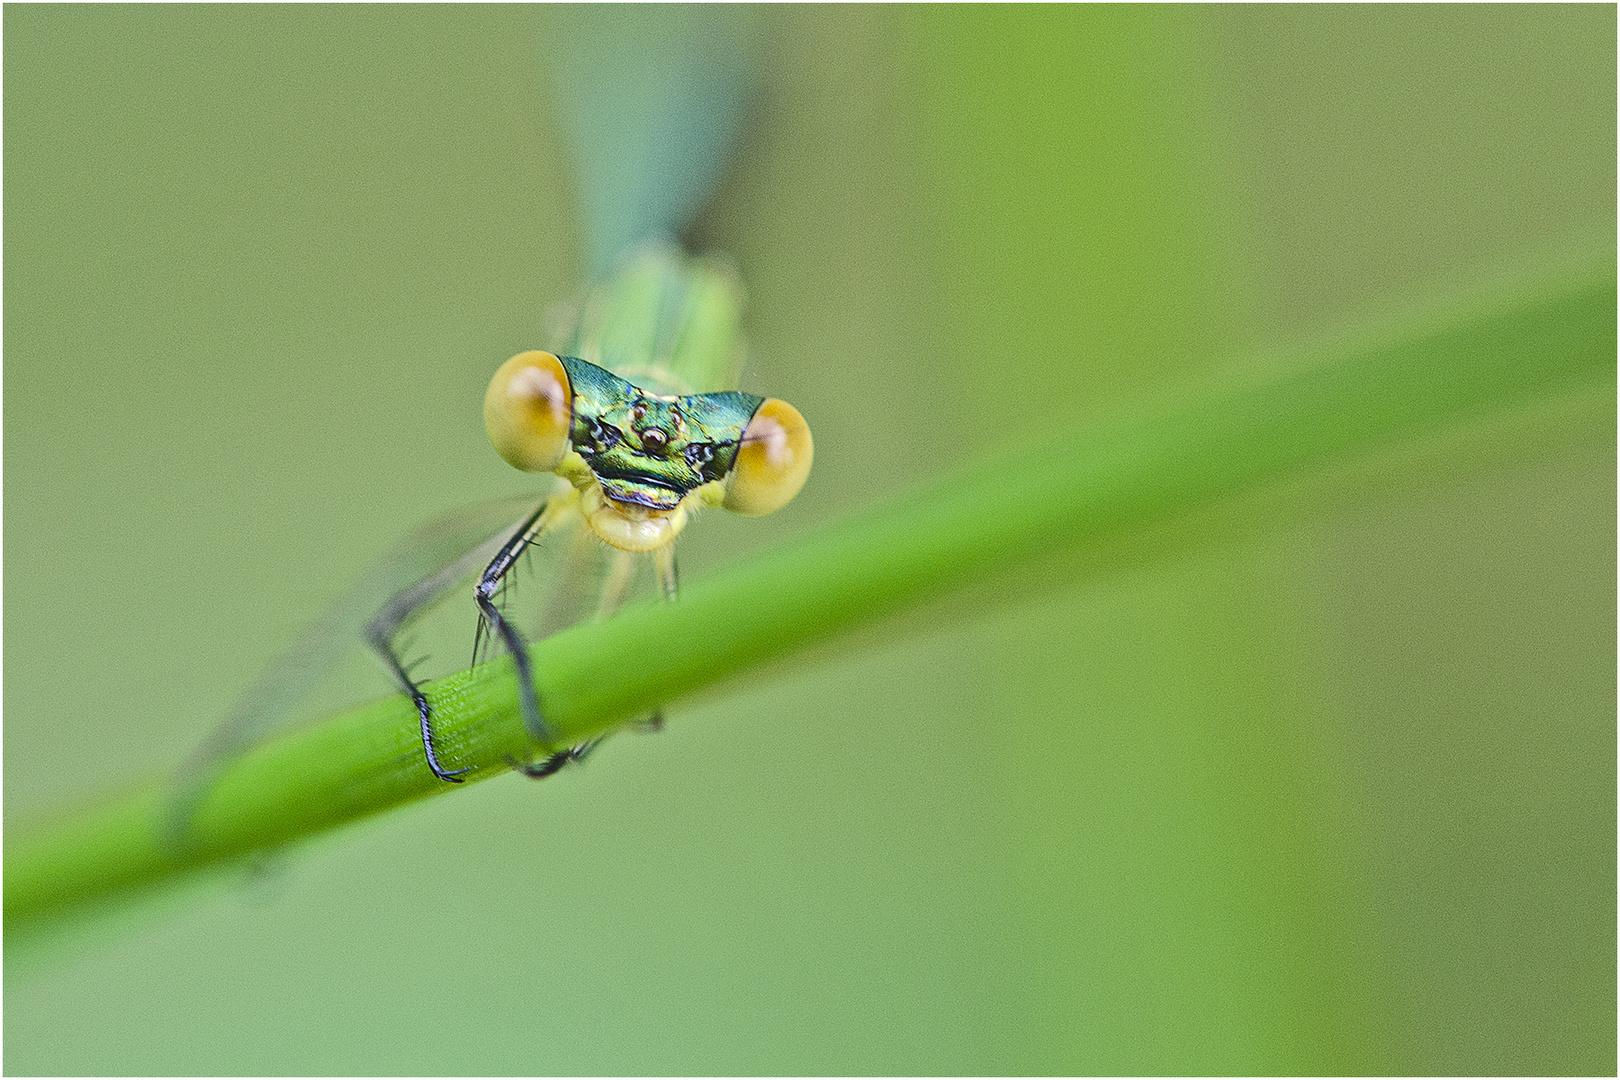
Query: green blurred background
{"points": [[1323, 784]]}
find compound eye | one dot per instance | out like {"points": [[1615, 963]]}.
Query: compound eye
{"points": [[528, 411], [772, 460]]}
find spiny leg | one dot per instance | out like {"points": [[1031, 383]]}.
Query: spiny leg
{"points": [[669, 578], [669, 584], [620, 571], [613, 593], [384, 648], [384, 627], [616, 585], [489, 584], [552, 762]]}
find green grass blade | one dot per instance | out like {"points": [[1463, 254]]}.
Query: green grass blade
{"points": [[1090, 486]]}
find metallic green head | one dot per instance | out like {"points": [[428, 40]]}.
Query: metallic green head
{"points": [[641, 461], [647, 449]]}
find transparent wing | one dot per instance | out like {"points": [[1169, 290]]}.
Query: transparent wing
{"points": [[409, 579]]}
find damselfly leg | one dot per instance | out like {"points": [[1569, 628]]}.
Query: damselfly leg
{"points": [[382, 630], [489, 584], [613, 593]]}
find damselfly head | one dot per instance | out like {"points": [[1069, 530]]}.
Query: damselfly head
{"points": [[642, 461]]}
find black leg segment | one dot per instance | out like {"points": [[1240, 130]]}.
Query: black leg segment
{"points": [[489, 584]]}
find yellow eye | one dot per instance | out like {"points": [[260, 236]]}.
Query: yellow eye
{"points": [[528, 411], [772, 461]]}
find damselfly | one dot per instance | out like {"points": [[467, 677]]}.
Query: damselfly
{"points": [[639, 458], [636, 415], [635, 452]]}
